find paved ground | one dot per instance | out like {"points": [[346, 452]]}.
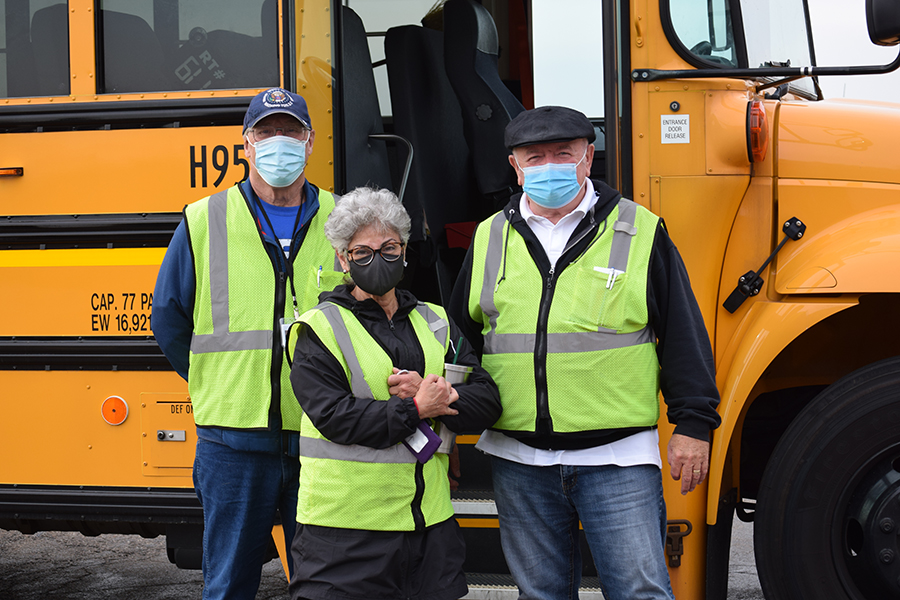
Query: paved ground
{"points": [[69, 566], [743, 583]]}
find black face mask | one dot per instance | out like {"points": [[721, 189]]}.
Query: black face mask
{"points": [[379, 276]]}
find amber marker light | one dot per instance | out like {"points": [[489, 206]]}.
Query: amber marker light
{"points": [[11, 171], [114, 410], [757, 131]]}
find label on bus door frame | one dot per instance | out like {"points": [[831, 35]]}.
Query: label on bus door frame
{"points": [[676, 129]]}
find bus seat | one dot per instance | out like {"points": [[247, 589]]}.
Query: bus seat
{"points": [[50, 41], [132, 58], [427, 113], [268, 19], [441, 188], [598, 165], [471, 52], [246, 61], [366, 160], [222, 59], [21, 74]]}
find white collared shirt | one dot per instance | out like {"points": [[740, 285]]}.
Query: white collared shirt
{"points": [[553, 237], [641, 448]]}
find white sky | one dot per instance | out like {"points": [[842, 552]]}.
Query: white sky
{"points": [[842, 38]]}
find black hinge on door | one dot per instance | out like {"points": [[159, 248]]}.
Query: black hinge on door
{"points": [[750, 282]]}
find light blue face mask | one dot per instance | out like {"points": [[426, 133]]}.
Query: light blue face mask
{"points": [[280, 160], [552, 185]]}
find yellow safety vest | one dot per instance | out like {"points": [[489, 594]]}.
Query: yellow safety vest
{"points": [[354, 486], [587, 336], [232, 361]]}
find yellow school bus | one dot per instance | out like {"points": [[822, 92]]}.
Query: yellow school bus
{"points": [[785, 205]]}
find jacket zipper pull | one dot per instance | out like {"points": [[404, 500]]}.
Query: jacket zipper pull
{"points": [[550, 278]]}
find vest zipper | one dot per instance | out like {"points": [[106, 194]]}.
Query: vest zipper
{"points": [[275, 421], [509, 226], [544, 423], [418, 516]]}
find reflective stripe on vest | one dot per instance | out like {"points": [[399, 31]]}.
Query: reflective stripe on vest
{"points": [[322, 448], [557, 343], [221, 339]]}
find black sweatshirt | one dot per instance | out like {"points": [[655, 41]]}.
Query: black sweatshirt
{"points": [[321, 385], [687, 376]]}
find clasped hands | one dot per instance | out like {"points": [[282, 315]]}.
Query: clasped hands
{"points": [[433, 395]]}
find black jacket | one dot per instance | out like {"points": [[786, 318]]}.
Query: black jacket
{"points": [[321, 385], [687, 376]]}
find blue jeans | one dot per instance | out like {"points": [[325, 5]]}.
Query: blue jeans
{"points": [[624, 519], [240, 492]]}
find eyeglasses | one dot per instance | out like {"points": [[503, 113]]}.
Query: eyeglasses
{"points": [[263, 133], [363, 255]]}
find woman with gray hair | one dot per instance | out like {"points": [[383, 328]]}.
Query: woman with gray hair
{"points": [[374, 518]]}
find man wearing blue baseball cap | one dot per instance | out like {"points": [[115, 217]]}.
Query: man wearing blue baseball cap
{"points": [[242, 266]]}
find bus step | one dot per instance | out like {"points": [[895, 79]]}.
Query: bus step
{"points": [[492, 586], [472, 507]]}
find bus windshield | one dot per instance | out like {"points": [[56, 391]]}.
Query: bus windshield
{"points": [[775, 33]]}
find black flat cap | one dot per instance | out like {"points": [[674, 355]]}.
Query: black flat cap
{"points": [[547, 124]]}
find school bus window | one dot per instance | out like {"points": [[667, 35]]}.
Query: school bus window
{"points": [[581, 25], [187, 45], [34, 48], [705, 27]]}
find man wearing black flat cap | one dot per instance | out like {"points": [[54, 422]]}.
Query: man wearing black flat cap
{"points": [[583, 311]]}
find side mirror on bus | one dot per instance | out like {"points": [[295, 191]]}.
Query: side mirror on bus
{"points": [[883, 18]]}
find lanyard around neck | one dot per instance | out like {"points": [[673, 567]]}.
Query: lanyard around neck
{"points": [[288, 264]]}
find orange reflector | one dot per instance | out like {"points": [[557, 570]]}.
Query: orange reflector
{"points": [[114, 410], [757, 131], [11, 171], [467, 439], [479, 523]]}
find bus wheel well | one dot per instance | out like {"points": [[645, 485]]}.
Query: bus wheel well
{"points": [[766, 421], [824, 353]]}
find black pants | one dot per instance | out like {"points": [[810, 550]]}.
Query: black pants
{"points": [[352, 564]]}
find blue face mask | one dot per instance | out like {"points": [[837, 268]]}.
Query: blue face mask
{"points": [[552, 185], [280, 160]]}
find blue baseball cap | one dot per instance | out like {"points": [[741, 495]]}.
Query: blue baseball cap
{"points": [[276, 100]]}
